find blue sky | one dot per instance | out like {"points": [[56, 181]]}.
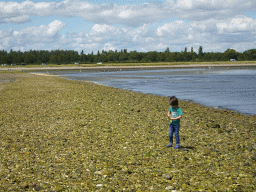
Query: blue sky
{"points": [[152, 25]]}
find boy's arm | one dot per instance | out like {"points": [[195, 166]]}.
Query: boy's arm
{"points": [[169, 114], [176, 117]]}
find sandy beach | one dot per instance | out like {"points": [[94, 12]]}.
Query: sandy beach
{"points": [[125, 67]]}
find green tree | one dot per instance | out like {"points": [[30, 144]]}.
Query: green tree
{"points": [[123, 57], [3, 57], [30, 58], [186, 55], [200, 53], [111, 57], [171, 57], [152, 56], [208, 56], [218, 56], [179, 57], [103, 58], [193, 55], [91, 57], [231, 54], [160, 57], [54, 59], [133, 55], [250, 54]]}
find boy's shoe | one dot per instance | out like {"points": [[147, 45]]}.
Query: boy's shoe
{"points": [[170, 145], [177, 147]]}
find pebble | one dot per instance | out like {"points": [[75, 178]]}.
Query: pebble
{"points": [[167, 176], [169, 187]]}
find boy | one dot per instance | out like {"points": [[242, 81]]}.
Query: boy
{"points": [[174, 113]]}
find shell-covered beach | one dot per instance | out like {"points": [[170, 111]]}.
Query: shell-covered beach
{"points": [[65, 135]]}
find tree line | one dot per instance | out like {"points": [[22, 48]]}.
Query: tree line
{"points": [[71, 56]]}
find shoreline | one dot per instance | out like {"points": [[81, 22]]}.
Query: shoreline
{"points": [[92, 80], [123, 67]]}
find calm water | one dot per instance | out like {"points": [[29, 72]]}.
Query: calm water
{"points": [[231, 88]]}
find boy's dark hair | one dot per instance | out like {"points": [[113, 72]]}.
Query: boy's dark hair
{"points": [[174, 101]]}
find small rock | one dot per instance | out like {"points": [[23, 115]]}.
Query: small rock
{"points": [[169, 188], [184, 149], [167, 176], [38, 188], [250, 148], [213, 125], [253, 157], [24, 185], [129, 172], [138, 185], [99, 185]]}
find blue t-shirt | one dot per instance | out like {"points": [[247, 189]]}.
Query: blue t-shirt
{"points": [[175, 112]]}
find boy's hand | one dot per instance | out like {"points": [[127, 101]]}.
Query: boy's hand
{"points": [[169, 115], [172, 118]]}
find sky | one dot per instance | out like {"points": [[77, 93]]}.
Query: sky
{"points": [[141, 25]]}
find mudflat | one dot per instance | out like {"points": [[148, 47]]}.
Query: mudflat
{"points": [[59, 134]]}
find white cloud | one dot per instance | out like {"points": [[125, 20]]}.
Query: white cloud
{"points": [[102, 29], [139, 33], [15, 19], [109, 46], [172, 29], [214, 24], [31, 37], [130, 15], [214, 35], [10, 12], [214, 4], [42, 33], [198, 10], [237, 24], [54, 27]]}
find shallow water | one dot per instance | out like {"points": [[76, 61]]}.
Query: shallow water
{"points": [[231, 88]]}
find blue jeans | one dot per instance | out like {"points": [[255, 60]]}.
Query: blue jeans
{"points": [[175, 129]]}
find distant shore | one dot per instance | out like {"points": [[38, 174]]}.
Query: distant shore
{"points": [[123, 67]]}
